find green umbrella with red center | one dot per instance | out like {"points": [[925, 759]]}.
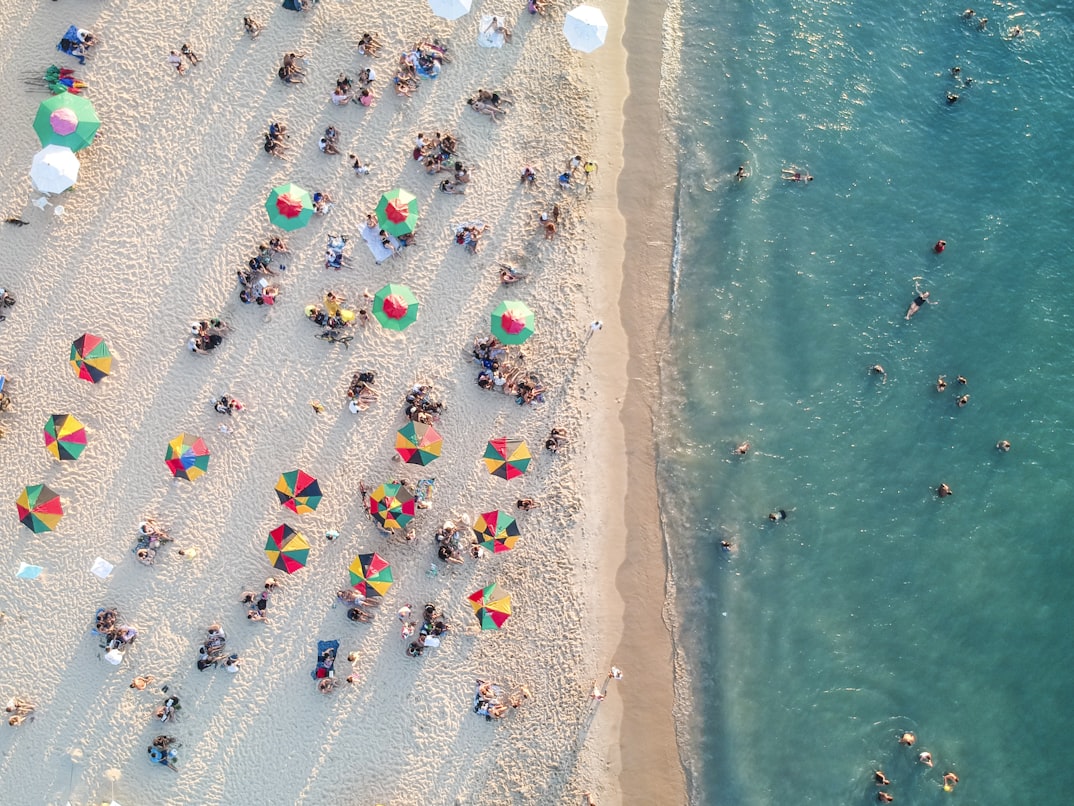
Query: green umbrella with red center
{"points": [[397, 212], [289, 207], [512, 322], [395, 307], [66, 120]]}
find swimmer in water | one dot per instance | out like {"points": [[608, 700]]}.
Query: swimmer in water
{"points": [[908, 739], [962, 401], [880, 779], [876, 369], [1003, 445], [884, 797], [943, 491], [778, 515], [941, 383], [741, 449], [961, 380], [795, 175], [920, 300], [940, 245], [741, 174], [925, 758], [949, 781]]}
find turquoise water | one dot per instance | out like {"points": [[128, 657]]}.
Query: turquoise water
{"points": [[875, 607]]}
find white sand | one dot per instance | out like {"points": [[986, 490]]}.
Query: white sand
{"points": [[169, 205]]}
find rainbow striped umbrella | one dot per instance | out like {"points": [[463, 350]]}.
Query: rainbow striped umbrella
{"points": [[507, 458], [39, 508], [392, 505], [298, 491], [371, 575], [187, 457], [287, 549], [65, 436], [496, 531], [418, 443], [491, 606], [90, 358]]}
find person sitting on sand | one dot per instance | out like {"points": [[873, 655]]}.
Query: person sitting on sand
{"points": [[252, 27], [327, 146], [339, 97], [920, 300], [498, 27], [368, 45], [536, 7], [529, 175], [322, 203]]}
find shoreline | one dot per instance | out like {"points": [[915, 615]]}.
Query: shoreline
{"points": [[647, 759]]}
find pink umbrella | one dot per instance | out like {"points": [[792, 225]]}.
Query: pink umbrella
{"points": [[63, 120]]}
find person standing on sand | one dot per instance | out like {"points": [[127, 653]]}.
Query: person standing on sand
{"points": [[594, 326]]}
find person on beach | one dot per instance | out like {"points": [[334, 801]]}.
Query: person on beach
{"points": [[191, 56], [594, 327], [486, 109], [176, 61], [536, 7], [357, 166], [252, 27], [526, 504], [529, 175], [920, 300], [141, 682]]}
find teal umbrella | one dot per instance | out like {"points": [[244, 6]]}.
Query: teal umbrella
{"points": [[289, 207], [66, 120], [397, 212], [395, 307]]}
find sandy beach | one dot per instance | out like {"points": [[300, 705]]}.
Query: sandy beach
{"points": [[169, 205]]}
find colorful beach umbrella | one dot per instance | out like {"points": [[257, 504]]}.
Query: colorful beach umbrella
{"points": [[450, 9], [395, 307], [90, 358], [397, 212], [187, 457], [298, 491], [418, 443], [585, 28], [392, 505], [496, 531], [289, 207], [507, 458], [65, 436], [491, 606], [39, 508], [287, 549], [512, 322], [371, 575], [54, 169], [66, 120]]}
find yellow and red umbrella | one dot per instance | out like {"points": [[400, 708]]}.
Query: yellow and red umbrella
{"points": [[90, 358], [491, 606], [507, 458], [371, 575], [418, 443], [287, 549], [496, 531], [298, 491], [39, 508], [392, 505], [65, 436]]}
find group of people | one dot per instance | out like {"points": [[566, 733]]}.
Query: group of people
{"points": [[256, 284], [424, 60], [360, 391], [345, 91], [469, 235], [500, 372], [213, 651], [357, 604], [257, 602], [20, 711], [436, 151], [151, 537], [433, 627], [206, 335], [77, 42], [175, 58], [421, 406], [162, 751], [276, 140], [453, 542], [909, 739], [493, 702], [116, 637], [291, 71]]}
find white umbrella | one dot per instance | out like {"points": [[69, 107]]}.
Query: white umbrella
{"points": [[54, 169], [450, 9], [487, 35], [585, 28]]}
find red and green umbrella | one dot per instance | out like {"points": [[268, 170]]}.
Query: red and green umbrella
{"points": [[491, 606], [65, 436], [496, 531], [512, 322], [287, 549], [371, 575], [289, 207], [39, 508], [397, 212], [90, 357], [66, 120], [187, 457], [395, 307], [507, 458], [418, 443], [299, 491], [392, 505]]}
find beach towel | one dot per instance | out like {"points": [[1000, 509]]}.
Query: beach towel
{"points": [[371, 236], [69, 42], [326, 658], [487, 38]]}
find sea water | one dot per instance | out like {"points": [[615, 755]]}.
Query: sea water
{"points": [[875, 607]]}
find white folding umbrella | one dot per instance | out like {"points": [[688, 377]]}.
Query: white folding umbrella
{"points": [[450, 9], [54, 169], [585, 28]]}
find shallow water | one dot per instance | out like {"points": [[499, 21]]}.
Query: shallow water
{"points": [[875, 607]]}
